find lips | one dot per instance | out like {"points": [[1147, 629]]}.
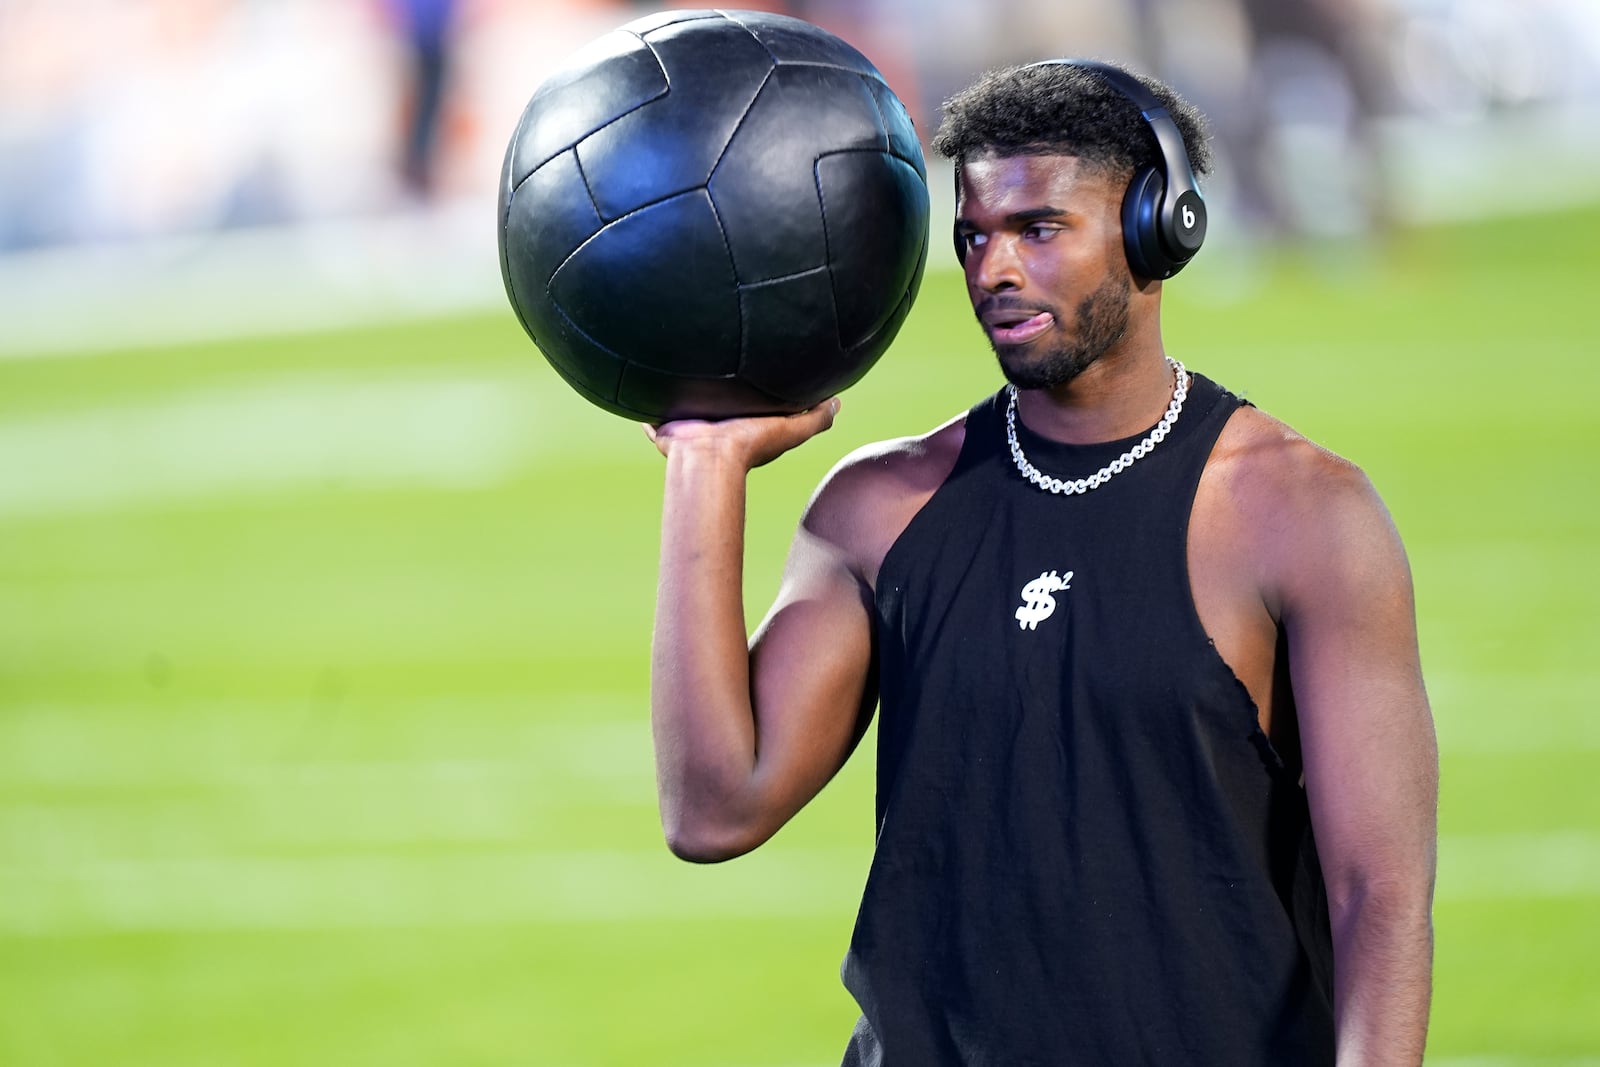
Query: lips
{"points": [[1016, 327]]}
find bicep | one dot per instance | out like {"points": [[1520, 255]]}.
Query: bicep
{"points": [[1371, 760], [811, 672]]}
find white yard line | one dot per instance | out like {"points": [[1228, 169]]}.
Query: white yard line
{"points": [[288, 432], [252, 744], [253, 282], [214, 822], [1519, 866], [474, 887], [1473, 712], [364, 891]]}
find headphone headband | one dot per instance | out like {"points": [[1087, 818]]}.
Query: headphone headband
{"points": [[1121, 80], [1169, 139]]}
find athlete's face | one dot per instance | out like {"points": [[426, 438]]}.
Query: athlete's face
{"points": [[1046, 272]]}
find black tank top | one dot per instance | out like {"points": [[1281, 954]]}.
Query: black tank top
{"points": [[1088, 852]]}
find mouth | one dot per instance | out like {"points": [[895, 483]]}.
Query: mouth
{"points": [[1016, 327]]}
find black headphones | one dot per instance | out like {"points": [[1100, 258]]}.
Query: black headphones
{"points": [[1163, 214]]}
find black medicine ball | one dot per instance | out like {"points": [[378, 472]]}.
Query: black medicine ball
{"points": [[713, 213]]}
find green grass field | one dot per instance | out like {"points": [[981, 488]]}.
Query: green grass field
{"points": [[323, 668]]}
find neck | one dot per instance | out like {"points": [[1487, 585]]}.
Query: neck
{"points": [[1121, 394]]}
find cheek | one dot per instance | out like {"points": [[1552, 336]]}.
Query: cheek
{"points": [[1116, 256], [1093, 262], [1074, 271]]}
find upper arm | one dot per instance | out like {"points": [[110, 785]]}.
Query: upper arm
{"points": [[1347, 607], [812, 678], [813, 659], [810, 668]]}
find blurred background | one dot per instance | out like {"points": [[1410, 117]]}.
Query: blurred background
{"points": [[190, 167], [325, 606]]}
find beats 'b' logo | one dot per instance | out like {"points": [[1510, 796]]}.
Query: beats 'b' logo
{"points": [[1189, 222]]}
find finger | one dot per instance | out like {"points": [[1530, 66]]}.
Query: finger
{"points": [[824, 413]]}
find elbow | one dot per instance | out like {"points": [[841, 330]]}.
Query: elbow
{"points": [[696, 849], [1393, 904], [703, 840]]}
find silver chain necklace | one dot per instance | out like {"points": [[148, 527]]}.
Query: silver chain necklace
{"points": [[1180, 392]]}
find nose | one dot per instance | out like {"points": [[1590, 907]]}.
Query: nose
{"points": [[995, 266]]}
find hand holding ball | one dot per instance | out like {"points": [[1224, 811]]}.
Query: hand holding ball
{"points": [[709, 214]]}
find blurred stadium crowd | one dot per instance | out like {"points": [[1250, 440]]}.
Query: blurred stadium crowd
{"points": [[127, 121]]}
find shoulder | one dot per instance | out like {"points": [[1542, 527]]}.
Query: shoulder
{"points": [[1308, 518], [870, 496], [1265, 462]]}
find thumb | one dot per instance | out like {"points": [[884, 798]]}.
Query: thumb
{"points": [[827, 411], [819, 418]]}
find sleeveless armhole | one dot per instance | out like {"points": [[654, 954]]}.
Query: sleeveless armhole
{"points": [[1271, 757], [978, 420]]}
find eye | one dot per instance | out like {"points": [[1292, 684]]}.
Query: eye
{"points": [[972, 239], [1041, 232]]}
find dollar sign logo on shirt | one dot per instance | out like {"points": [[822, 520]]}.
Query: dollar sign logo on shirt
{"points": [[1038, 605]]}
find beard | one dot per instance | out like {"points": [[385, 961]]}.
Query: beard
{"points": [[1057, 359]]}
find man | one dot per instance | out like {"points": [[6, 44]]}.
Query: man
{"points": [[1156, 768]]}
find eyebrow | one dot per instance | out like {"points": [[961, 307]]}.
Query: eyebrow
{"points": [[1036, 214], [1033, 214]]}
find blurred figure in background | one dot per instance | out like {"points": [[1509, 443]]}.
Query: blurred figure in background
{"points": [[133, 122], [1297, 89], [427, 29], [1309, 161]]}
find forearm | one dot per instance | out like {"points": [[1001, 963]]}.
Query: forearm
{"points": [[701, 714], [1383, 967]]}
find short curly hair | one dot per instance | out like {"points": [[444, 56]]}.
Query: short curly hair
{"points": [[1058, 108]]}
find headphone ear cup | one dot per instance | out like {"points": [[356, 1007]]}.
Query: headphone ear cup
{"points": [[961, 245], [1141, 226]]}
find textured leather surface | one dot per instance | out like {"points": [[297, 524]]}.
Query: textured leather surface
{"points": [[712, 214]]}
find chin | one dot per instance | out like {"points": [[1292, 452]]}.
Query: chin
{"points": [[1026, 368]]}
